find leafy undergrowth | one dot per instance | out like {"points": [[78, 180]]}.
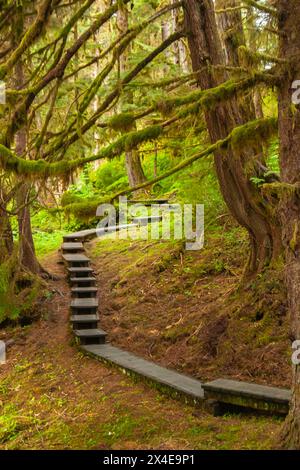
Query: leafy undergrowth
{"points": [[185, 309], [53, 397]]}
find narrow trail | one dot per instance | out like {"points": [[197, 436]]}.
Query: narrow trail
{"points": [[85, 306], [70, 401]]}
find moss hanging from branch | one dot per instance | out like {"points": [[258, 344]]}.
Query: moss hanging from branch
{"points": [[240, 137], [213, 96], [42, 169], [122, 122], [251, 60]]}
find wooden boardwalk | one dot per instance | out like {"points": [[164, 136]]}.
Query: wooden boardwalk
{"points": [[85, 322]]}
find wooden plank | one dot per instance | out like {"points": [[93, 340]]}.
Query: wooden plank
{"points": [[72, 247], [95, 332], [179, 384], [84, 319], [82, 280], [147, 220], [81, 270], [81, 235], [76, 258], [91, 336], [114, 228], [82, 290], [248, 395]]}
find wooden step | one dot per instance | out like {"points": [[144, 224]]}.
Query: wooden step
{"points": [[91, 336], [84, 322], [80, 271], [70, 247], [82, 304], [76, 260], [83, 292], [165, 380], [115, 228], [248, 395], [83, 281], [82, 235]]}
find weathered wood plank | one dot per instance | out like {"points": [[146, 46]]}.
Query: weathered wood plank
{"points": [[72, 247], [76, 258], [179, 384], [91, 336], [83, 280], [84, 303], [248, 395]]}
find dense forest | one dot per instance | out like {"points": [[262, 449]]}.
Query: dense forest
{"points": [[184, 102]]}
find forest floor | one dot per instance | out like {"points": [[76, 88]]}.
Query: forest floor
{"points": [[178, 309], [185, 310]]}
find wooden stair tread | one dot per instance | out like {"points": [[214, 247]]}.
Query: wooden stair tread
{"points": [[84, 318], [85, 303], [114, 228], [81, 280], [83, 289], [90, 333], [246, 389], [81, 235], [75, 257], [80, 269]]}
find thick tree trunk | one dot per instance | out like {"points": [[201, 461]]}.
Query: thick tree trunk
{"points": [[231, 25], [241, 196], [180, 53], [289, 133], [27, 255], [133, 164], [6, 236]]}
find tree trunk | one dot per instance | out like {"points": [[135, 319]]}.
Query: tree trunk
{"points": [[241, 196], [27, 255], [231, 25], [133, 164], [6, 236], [180, 53], [289, 133]]}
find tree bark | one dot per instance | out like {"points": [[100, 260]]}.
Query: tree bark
{"points": [[27, 256], [241, 196], [289, 133], [6, 236]]}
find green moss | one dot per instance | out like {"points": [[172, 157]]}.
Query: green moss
{"points": [[254, 132], [122, 122]]}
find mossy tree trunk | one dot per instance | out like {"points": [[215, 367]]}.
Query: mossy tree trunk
{"points": [[289, 132], [133, 164], [231, 26], [241, 196], [27, 257], [6, 235]]}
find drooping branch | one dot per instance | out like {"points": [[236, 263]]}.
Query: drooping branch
{"points": [[260, 130], [57, 71], [29, 37], [66, 141], [255, 131]]}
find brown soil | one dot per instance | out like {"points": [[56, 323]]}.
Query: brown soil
{"points": [[185, 311], [54, 397]]}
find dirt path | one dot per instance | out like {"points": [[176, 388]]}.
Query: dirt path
{"points": [[53, 397]]}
